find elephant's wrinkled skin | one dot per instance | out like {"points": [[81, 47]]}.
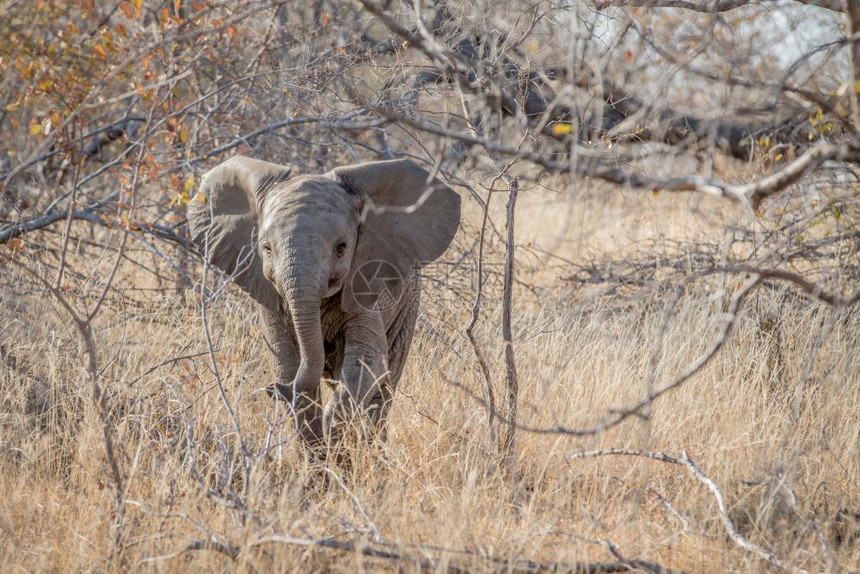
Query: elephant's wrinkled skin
{"points": [[330, 260]]}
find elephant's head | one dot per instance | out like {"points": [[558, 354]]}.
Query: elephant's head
{"points": [[291, 242]]}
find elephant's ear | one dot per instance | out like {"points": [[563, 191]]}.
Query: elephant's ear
{"points": [[223, 221], [408, 220]]}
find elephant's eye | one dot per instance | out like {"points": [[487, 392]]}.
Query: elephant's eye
{"points": [[267, 249], [340, 249]]}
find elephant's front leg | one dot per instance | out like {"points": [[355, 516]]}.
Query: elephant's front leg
{"points": [[363, 375], [277, 334]]}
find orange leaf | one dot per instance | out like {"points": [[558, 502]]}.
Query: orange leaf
{"points": [[15, 244], [127, 10], [100, 51]]}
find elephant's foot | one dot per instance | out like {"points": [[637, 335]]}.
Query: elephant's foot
{"points": [[307, 413], [348, 422], [281, 392], [287, 392]]}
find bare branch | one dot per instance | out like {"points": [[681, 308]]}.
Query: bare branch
{"points": [[476, 313], [708, 7], [511, 379], [733, 533], [514, 566], [711, 6], [626, 452]]}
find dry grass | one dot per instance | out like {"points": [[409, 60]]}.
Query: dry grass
{"points": [[772, 419]]}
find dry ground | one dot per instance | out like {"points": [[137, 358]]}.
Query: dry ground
{"points": [[772, 419]]}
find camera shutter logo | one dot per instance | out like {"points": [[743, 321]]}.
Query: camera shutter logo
{"points": [[377, 286]]}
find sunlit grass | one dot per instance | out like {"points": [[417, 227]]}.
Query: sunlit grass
{"points": [[772, 419]]}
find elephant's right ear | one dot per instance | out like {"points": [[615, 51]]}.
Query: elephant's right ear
{"points": [[223, 220]]}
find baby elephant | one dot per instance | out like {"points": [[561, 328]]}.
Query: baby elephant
{"points": [[332, 261]]}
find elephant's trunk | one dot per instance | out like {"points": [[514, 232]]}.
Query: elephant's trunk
{"points": [[303, 294]]}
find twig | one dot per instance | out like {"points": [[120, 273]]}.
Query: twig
{"points": [[377, 537], [511, 379], [626, 452], [736, 536], [476, 312]]}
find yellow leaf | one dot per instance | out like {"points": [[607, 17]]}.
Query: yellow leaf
{"points": [[189, 184], [561, 129], [35, 129], [201, 198]]}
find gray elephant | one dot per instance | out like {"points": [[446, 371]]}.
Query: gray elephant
{"points": [[332, 261]]}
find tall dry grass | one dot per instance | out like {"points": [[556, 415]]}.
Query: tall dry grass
{"points": [[772, 419]]}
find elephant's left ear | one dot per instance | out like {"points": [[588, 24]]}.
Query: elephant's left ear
{"points": [[408, 220]]}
